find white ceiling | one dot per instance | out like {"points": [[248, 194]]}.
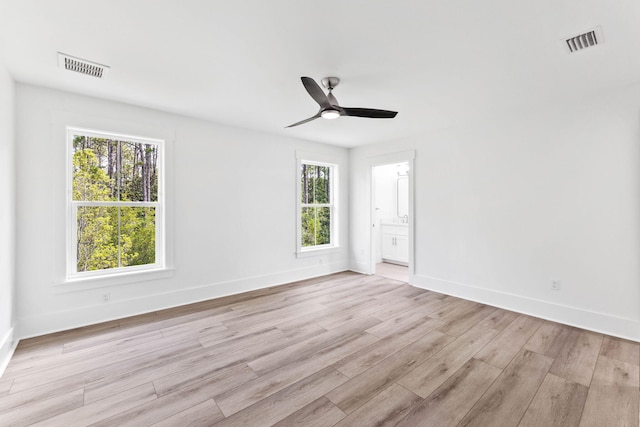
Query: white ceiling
{"points": [[439, 63]]}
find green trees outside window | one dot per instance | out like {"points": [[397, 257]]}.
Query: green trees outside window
{"points": [[114, 202], [316, 204]]}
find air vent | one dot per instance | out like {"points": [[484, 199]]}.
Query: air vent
{"points": [[82, 66], [582, 41]]}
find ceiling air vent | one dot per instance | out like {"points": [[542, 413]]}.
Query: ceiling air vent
{"points": [[82, 66], [582, 41]]}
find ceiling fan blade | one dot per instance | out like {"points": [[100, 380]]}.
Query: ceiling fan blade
{"points": [[304, 121], [332, 99], [369, 112], [316, 92]]}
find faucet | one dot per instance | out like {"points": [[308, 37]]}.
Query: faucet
{"points": [[405, 219]]}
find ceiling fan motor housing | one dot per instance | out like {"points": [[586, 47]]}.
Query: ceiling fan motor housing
{"points": [[330, 82]]}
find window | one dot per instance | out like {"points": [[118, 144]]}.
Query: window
{"points": [[115, 203], [317, 208]]}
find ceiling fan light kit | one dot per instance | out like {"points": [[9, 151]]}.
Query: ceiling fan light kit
{"points": [[329, 107], [330, 114]]}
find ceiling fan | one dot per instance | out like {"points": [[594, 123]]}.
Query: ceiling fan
{"points": [[329, 107]]}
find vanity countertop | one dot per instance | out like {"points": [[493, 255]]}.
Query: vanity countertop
{"points": [[393, 222]]}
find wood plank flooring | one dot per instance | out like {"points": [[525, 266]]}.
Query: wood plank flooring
{"points": [[339, 350], [393, 271]]}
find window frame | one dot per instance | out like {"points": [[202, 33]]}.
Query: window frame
{"points": [[72, 207], [303, 251]]}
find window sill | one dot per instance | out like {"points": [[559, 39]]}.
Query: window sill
{"points": [[317, 252], [84, 283]]}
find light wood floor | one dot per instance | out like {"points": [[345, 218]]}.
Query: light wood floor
{"points": [[340, 350], [393, 271]]}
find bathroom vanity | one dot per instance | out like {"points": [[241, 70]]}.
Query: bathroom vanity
{"points": [[395, 243]]}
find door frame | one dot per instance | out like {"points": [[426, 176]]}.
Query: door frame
{"points": [[387, 159]]}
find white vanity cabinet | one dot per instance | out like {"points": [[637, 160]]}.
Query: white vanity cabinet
{"points": [[395, 243]]}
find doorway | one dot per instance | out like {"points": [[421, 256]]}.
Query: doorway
{"points": [[391, 219]]}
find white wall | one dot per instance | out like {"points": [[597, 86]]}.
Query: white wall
{"points": [[503, 208], [233, 212], [7, 216]]}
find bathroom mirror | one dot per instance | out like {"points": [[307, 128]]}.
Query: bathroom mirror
{"points": [[402, 198]]}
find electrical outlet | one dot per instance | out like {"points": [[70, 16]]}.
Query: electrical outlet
{"points": [[555, 285], [106, 297]]}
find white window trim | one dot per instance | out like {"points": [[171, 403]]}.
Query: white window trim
{"points": [[159, 268], [303, 252]]}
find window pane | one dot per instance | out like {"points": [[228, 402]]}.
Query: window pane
{"points": [[316, 226], [103, 243], [139, 178], [305, 182], [323, 229], [315, 184], [94, 169], [321, 184], [97, 238], [137, 236], [308, 227]]}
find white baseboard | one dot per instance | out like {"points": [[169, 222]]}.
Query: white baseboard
{"points": [[598, 322], [8, 345], [64, 320], [360, 267]]}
